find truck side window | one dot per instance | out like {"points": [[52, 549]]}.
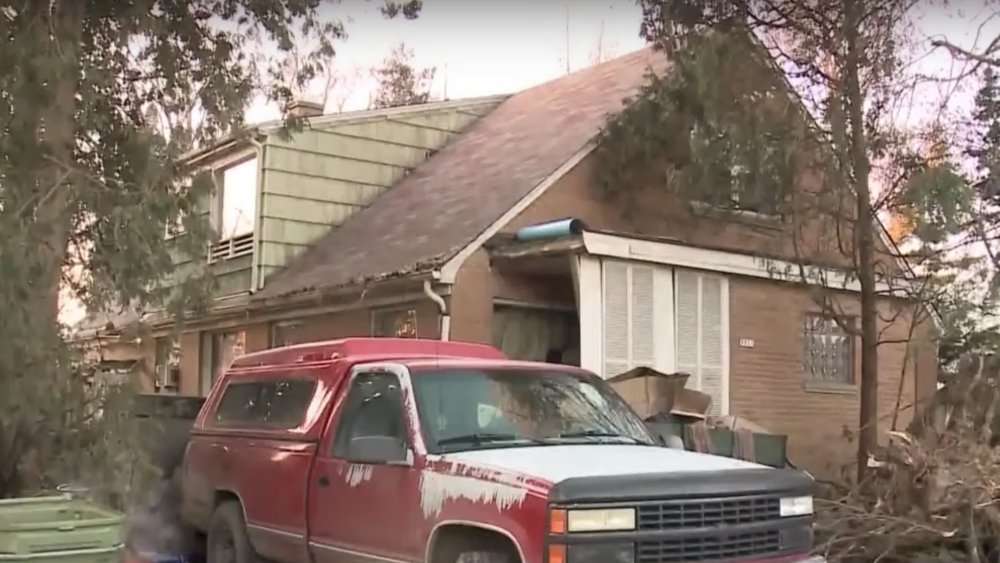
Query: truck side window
{"points": [[373, 408], [275, 404]]}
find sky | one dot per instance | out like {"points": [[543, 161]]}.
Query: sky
{"points": [[481, 47]]}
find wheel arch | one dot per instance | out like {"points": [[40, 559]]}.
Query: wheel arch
{"points": [[228, 495], [445, 530]]}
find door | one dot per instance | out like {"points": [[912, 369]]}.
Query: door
{"points": [[365, 505]]}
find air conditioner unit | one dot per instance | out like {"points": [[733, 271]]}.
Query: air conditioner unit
{"points": [[172, 377]]}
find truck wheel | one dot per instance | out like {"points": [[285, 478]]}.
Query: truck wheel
{"points": [[227, 536], [484, 557]]}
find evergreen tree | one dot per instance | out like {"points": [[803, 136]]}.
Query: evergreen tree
{"points": [[730, 120], [98, 103]]}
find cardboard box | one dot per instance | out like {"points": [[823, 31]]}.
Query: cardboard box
{"points": [[650, 392]]}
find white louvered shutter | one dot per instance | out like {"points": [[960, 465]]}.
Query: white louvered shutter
{"points": [[642, 342], [616, 318], [629, 332], [710, 362], [700, 335], [687, 305]]}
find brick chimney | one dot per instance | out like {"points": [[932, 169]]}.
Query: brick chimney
{"points": [[303, 108]]}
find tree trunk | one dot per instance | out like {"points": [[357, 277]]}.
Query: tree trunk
{"points": [[53, 215], [863, 238]]}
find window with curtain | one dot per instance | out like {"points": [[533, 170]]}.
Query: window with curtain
{"points": [[536, 334]]}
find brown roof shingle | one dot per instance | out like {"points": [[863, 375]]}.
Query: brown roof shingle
{"points": [[459, 192]]}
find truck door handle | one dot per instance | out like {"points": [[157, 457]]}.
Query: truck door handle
{"points": [[324, 481]]}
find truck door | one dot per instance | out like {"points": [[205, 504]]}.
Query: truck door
{"points": [[364, 487]]}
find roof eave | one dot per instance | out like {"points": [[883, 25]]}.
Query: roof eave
{"points": [[314, 295]]}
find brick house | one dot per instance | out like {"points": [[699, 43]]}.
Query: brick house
{"points": [[433, 253]]}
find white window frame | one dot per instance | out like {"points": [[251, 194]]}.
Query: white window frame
{"points": [[813, 382], [219, 198]]}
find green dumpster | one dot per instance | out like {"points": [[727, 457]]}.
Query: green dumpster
{"points": [[58, 529]]}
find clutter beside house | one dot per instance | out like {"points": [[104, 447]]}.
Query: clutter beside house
{"points": [[679, 417]]}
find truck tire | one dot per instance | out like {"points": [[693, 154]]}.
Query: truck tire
{"points": [[227, 536], [484, 557]]}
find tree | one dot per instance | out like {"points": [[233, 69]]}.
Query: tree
{"points": [[96, 106], [782, 108], [601, 52], [399, 82]]}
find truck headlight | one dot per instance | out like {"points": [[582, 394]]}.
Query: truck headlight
{"points": [[600, 519], [796, 506]]}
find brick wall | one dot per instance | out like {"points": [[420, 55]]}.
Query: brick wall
{"points": [[767, 384]]}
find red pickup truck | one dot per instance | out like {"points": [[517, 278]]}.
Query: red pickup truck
{"points": [[408, 450]]}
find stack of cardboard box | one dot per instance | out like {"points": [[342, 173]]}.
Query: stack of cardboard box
{"points": [[673, 411]]}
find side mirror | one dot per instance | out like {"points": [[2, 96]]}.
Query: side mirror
{"points": [[379, 449]]}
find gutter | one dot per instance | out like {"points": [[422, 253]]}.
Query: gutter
{"points": [[445, 325]]}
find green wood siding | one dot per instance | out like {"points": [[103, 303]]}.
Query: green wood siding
{"points": [[232, 276], [316, 180]]}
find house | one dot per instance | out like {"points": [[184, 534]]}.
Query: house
{"points": [[111, 342], [406, 221]]}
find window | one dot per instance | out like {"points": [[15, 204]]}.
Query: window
{"points": [[373, 408], [285, 333], [701, 337], [828, 353], [536, 334], [394, 323], [218, 350], [167, 365], [237, 199], [754, 189], [467, 409], [276, 404]]}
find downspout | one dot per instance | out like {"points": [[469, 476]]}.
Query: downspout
{"points": [[445, 325], [255, 268]]}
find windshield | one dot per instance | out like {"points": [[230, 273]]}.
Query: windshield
{"points": [[465, 409]]}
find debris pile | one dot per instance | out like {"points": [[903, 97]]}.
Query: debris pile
{"points": [[933, 492]]}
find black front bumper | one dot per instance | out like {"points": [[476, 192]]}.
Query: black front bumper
{"points": [[731, 515]]}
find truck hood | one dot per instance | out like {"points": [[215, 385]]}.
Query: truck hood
{"points": [[556, 463]]}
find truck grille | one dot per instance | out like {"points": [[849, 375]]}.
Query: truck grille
{"points": [[702, 513], [710, 548]]}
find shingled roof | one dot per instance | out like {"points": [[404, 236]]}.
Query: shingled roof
{"points": [[459, 192]]}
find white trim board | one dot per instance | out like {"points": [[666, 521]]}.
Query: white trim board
{"points": [[616, 246], [450, 269]]}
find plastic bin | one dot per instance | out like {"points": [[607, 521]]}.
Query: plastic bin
{"points": [[59, 529], [769, 449]]}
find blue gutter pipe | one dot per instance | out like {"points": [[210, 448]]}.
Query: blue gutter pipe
{"points": [[551, 229]]}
